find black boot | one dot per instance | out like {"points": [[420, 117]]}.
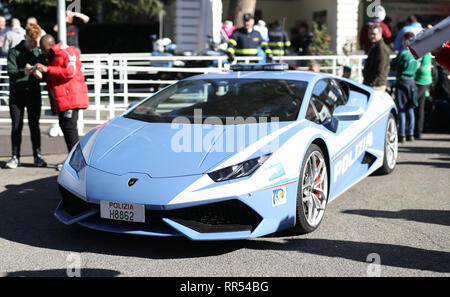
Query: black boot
{"points": [[39, 161]]}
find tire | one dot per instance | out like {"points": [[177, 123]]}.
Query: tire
{"points": [[312, 193], [390, 147]]}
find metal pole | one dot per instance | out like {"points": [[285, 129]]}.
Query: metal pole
{"points": [[125, 81], [61, 17], [111, 86], [161, 24], [97, 86], [334, 70]]}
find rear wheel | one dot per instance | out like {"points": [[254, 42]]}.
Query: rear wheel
{"points": [[312, 193], [390, 147]]}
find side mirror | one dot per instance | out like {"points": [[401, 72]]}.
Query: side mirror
{"points": [[348, 113]]}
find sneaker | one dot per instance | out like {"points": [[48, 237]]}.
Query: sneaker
{"points": [[59, 166], [13, 163], [401, 139], [39, 162], [409, 138]]}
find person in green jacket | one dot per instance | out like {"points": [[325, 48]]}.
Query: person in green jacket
{"points": [[25, 92], [405, 89], [424, 79]]}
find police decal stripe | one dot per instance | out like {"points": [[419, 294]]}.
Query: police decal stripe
{"points": [[279, 184], [342, 151]]}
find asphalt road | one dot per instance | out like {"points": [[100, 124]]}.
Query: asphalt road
{"points": [[401, 221]]}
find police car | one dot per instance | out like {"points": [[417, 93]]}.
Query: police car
{"points": [[231, 155]]}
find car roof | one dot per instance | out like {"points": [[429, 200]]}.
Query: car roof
{"points": [[289, 75]]}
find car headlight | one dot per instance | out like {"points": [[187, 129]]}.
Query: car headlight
{"points": [[77, 161], [239, 170]]}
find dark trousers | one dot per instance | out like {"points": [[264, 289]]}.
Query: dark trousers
{"points": [[68, 120], [17, 104], [420, 111]]}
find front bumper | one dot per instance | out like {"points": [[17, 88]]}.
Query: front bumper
{"points": [[228, 219], [218, 215]]}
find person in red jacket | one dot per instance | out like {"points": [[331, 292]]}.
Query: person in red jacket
{"points": [[66, 85]]}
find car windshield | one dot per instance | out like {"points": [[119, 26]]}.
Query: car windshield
{"points": [[268, 99]]}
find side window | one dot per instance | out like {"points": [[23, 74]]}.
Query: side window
{"points": [[319, 102], [345, 88], [311, 113], [338, 92], [326, 96]]}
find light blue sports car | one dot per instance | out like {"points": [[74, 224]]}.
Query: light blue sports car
{"points": [[230, 155]]}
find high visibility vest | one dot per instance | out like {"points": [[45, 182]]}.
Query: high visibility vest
{"points": [[244, 43], [278, 41]]}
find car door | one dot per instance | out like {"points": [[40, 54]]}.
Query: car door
{"points": [[345, 143]]}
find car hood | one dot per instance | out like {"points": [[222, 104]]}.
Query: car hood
{"points": [[168, 150]]}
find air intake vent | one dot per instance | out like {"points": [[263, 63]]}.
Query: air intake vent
{"points": [[227, 216], [73, 205], [368, 159]]}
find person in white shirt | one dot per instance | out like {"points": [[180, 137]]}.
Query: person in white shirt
{"points": [[13, 37], [3, 30]]}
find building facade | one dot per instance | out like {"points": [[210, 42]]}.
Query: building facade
{"points": [[190, 21]]}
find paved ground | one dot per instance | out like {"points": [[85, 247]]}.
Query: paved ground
{"points": [[402, 220], [49, 145]]}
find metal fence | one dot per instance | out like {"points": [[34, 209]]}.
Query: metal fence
{"points": [[115, 80]]}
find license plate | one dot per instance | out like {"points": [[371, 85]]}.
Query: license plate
{"points": [[119, 211]]}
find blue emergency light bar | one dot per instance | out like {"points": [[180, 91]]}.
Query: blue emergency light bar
{"points": [[259, 67]]}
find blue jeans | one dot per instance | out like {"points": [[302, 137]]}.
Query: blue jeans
{"points": [[403, 117]]}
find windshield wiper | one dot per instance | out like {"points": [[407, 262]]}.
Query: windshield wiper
{"points": [[148, 118]]}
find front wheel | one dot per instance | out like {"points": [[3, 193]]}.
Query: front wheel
{"points": [[312, 193]]}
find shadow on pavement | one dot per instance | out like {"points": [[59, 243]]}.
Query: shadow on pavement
{"points": [[434, 139], [433, 164], [424, 150], [438, 217], [391, 255], [441, 162], [85, 272], [26, 217], [441, 159], [27, 165]]}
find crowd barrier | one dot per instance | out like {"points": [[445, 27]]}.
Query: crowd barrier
{"points": [[116, 80]]}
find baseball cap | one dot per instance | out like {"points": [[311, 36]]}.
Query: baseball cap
{"points": [[248, 16]]}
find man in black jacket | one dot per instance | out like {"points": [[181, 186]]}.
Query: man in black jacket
{"points": [[376, 69], [245, 41]]}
